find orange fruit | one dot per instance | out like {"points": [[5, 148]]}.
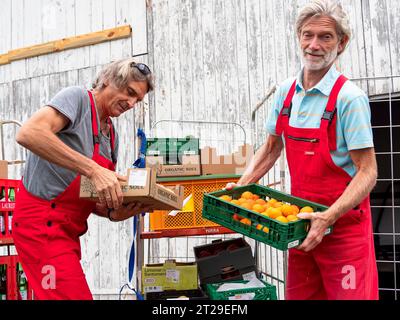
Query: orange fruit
{"points": [[266, 206], [258, 208], [292, 217], [259, 227], [277, 204], [261, 201], [246, 221], [274, 212], [251, 202], [286, 210], [295, 209], [256, 197], [282, 219], [307, 209], [265, 229], [246, 206], [272, 201], [264, 213], [226, 198], [247, 195], [234, 201], [242, 200]]}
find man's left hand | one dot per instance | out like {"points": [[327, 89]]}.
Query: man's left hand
{"points": [[320, 221]]}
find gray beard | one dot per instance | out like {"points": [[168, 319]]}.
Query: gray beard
{"points": [[327, 60]]}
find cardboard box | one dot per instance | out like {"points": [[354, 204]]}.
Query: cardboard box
{"points": [[3, 169], [141, 187], [224, 260], [190, 166], [172, 148], [234, 163], [170, 275]]}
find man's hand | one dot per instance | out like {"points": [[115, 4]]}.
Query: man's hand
{"points": [[107, 186], [130, 210], [320, 221], [231, 185]]}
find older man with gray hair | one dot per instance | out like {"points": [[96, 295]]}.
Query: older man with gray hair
{"points": [[71, 136], [324, 121]]}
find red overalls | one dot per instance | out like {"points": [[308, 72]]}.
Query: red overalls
{"points": [[343, 265], [46, 234]]}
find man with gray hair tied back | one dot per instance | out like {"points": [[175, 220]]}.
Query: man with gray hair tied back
{"points": [[72, 136], [324, 121]]}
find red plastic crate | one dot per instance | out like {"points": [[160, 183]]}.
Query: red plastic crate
{"points": [[7, 206], [12, 285]]}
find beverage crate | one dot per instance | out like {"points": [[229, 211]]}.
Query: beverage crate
{"points": [[280, 235], [195, 186], [172, 148], [8, 190], [266, 293], [13, 282]]}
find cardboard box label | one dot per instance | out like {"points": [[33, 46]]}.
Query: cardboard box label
{"points": [[137, 178], [172, 275], [169, 276], [164, 194]]}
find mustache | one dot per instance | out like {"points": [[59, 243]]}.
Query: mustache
{"points": [[315, 53]]}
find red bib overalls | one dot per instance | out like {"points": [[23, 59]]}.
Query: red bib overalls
{"points": [[46, 234], [343, 265]]}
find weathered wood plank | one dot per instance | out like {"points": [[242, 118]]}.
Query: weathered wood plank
{"points": [[18, 68], [137, 18], [162, 49]]}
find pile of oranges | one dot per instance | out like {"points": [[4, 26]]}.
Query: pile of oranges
{"points": [[272, 208]]}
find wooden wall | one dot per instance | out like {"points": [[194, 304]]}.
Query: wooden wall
{"points": [[213, 61]]}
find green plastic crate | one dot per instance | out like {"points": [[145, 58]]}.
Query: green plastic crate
{"points": [[172, 147], [281, 235], [266, 293]]}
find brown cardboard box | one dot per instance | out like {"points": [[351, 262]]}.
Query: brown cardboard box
{"points": [[234, 163], [190, 166], [141, 187], [3, 169]]}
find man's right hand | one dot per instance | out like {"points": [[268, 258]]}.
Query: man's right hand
{"points": [[107, 186], [231, 185]]}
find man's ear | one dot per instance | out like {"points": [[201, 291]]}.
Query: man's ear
{"points": [[343, 43]]}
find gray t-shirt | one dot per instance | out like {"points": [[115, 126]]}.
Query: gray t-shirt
{"points": [[47, 180]]}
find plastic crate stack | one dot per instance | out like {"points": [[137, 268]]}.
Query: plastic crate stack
{"points": [[13, 283]]}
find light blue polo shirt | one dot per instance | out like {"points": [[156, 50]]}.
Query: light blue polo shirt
{"points": [[353, 129]]}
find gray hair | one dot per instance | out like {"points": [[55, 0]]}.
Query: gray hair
{"points": [[120, 73], [332, 9]]}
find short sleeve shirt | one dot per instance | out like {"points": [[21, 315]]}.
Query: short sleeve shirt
{"points": [[353, 129], [47, 180]]}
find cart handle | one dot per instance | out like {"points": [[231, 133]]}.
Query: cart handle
{"points": [[201, 122]]}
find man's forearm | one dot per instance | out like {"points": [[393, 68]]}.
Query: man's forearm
{"points": [[358, 189], [262, 162], [48, 146]]}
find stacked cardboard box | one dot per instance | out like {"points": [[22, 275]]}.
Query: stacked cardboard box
{"points": [[173, 157]]}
